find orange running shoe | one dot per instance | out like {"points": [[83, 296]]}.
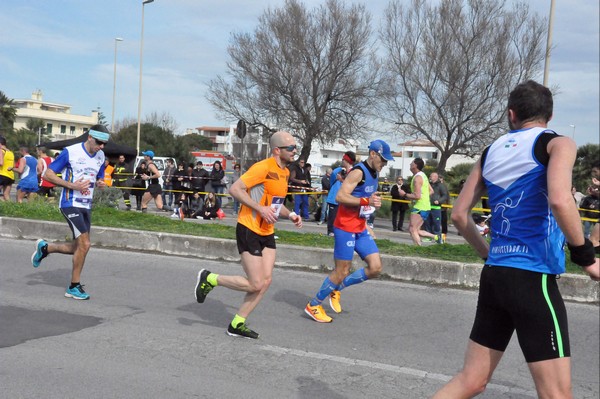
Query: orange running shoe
{"points": [[317, 314], [334, 301]]}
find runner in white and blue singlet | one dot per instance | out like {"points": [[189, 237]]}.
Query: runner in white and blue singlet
{"points": [[527, 173], [82, 170]]}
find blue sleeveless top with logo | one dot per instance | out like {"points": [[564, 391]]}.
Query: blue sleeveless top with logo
{"points": [[525, 234]]}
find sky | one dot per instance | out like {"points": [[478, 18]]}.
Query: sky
{"points": [[66, 48]]}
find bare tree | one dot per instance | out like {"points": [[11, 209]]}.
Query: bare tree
{"points": [[312, 72], [124, 123], [165, 120], [451, 66]]}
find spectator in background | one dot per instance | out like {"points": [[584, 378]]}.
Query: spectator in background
{"points": [[139, 184], [178, 188], [325, 186], [168, 175], [438, 197], [337, 177], [209, 208], [122, 179], [237, 172], [218, 181], [300, 181], [108, 170], [385, 185], [7, 164], [46, 188], [577, 195], [28, 182], [445, 210], [200, 178], [591, 203], [595, 231], [399, 208]]}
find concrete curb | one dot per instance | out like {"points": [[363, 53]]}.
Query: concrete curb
{"points": [[418, 270]]}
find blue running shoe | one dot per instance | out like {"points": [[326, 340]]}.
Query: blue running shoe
{"points": [[76, 292], [41, 251]]}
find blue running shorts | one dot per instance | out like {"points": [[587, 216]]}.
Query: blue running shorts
{"points": [[424, 214], [346, 243]]}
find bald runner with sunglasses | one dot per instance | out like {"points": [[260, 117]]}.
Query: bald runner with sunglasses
{"points": [[260, 191], [358, 199], [81, 167]]}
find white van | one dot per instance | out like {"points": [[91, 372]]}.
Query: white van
{"points": [[159, 162]]}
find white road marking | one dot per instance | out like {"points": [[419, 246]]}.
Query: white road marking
{"points": [[390, 367]]}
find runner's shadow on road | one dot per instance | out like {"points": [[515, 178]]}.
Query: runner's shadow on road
{"points": [[293, 298], [310, 388], [55, 278], [211, 313]]}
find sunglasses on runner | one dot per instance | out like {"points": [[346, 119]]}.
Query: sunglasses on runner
{"points": [[288, 148], [98, 142]]}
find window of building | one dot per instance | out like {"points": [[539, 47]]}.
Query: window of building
{"points": [[49, 128], [63, 129], [72, 129]]}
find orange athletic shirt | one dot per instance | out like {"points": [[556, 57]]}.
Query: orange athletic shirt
{"points": [[264, 180]]}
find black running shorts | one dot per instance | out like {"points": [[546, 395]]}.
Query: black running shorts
{"points": [[515, 299], [6, 181], [249, 241], [79, 219], [154, 190]]}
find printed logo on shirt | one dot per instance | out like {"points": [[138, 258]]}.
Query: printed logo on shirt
{"points": [[511, 143], [273, 176]]}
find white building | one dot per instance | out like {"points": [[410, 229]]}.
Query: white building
{"points": [[225, 141], [59, 121]]}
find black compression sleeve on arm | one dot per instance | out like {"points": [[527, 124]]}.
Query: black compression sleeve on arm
{"points": [[583, 255]]}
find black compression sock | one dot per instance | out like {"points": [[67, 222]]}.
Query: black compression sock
{"points": [[73, 285]]}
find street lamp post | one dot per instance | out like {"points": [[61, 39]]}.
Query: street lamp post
{"points": [[573, 135], [548, 44], [141, 64], [112, 119]]}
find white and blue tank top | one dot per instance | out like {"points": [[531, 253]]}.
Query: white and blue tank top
{"points": [[525, 234], [74, 163]]}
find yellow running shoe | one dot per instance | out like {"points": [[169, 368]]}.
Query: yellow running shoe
{"points": [[334, 301], [317, 314]]}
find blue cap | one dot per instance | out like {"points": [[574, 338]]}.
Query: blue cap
{"points": [[99, 135], [149, 153], [382, 148]]}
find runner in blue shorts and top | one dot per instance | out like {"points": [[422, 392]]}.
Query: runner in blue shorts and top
{"points": [[527, 174], [28, 184], [357, 199], [81, 167]]}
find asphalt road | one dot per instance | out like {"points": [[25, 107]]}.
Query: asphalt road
{"points": [[142, 335]]}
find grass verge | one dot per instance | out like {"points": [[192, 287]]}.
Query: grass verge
{"points": [[110, 217]]}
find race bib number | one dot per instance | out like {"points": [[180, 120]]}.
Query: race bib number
{"points": [[366, 211], [276, 204]]}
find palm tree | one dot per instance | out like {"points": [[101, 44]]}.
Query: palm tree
{"points": [[8, 113]]}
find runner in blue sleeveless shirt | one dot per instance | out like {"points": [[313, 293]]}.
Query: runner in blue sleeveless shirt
{"points": [[527, 173]]}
